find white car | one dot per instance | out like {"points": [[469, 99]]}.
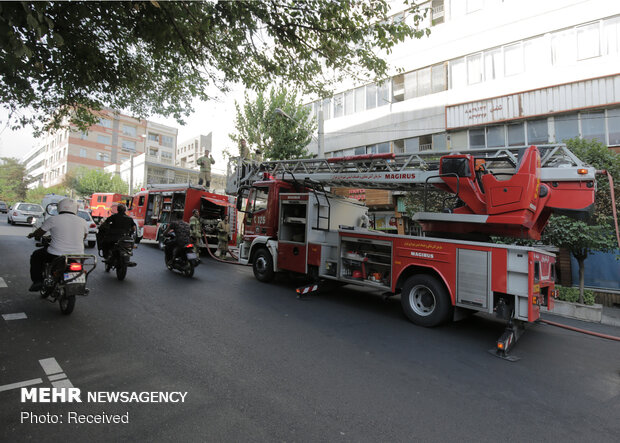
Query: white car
{"points": [[26, 213]]}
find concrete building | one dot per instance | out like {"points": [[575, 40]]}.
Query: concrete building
{"points": [[34, 160], [143, 170], [191, 150], [493, 73], [115, 139]]}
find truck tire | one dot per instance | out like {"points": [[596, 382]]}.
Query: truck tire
{"points": [[263, 266], [425, 300]]}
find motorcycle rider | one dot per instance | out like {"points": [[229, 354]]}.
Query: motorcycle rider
{"points": [[68, 232], [181, 238], [113, 228]]}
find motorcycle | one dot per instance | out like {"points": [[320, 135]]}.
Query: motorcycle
{"points": [[120, 257], [65, 277], [186, 260]]}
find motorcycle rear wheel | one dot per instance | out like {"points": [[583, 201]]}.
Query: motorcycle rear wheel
{"points": [[67, 303], [121, 271], [188, 271]]}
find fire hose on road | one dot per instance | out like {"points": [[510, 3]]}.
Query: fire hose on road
{"points": [[204, 237], [583, 331]]}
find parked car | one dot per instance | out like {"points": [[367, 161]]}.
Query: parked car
{"points": [[26, 213], [3, 207]]}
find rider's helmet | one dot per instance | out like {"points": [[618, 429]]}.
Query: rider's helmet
{"points": [[121, 208], [67, 205]]}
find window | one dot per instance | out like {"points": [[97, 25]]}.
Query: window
{"points": [[104, 139], [360, 95], [371, 149], [360, 150], [426, 143], [383, 148], [593, 126], [128, 145], [493, 64], [412, 145], [458, 74], [103, 156], [371, 96], [153, 137], [153, 152], [399, 146], [516, 135], [563, 48], [83, 135], [611, 37], [398, 88], [474, 69], [165, 154], [339, 105], [166, 141], [513, 59], [438, 78], [536, 54], [458, 140], [105, 122], [141, 201], [383, 94], [326, 106], [588, 41], [439, 141], [613, 122], [496, 137], [476, 138], [411, 85], [349, 105], [537, 132], [566, 126], [129, 130], [424, 82]]}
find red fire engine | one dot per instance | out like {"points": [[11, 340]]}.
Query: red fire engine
{"points": [[293, 224], [153, 208], [102, 203]]}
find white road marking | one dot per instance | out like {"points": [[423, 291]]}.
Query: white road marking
{"points": [[62, 383], [3, 283], [57, 377], [15, 316], [21, 384], [50, 366]]}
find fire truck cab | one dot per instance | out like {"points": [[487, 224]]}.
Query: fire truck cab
{"points": [[102, 204], [152, 209]]}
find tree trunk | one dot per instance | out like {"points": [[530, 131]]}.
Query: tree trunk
{"points": [[581, 262]]}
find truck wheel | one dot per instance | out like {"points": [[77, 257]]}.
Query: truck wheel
{"points": [[425, 300], [263, 266]]}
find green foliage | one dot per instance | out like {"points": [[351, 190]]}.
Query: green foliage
{"points": [[579, 237], [36, 195], [572, 295], [85, 182], [601, 157], [13, 180], [275, 135], [63, 59]]}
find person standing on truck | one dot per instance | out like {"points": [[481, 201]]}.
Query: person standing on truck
{"points": [[195, 229], [205, 163], [223, 233]]}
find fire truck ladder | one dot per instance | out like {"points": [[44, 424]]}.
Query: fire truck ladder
{"points": [[402, 172]]}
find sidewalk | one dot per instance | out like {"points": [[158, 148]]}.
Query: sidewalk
{"points": [[610, 321], [611, 316]]}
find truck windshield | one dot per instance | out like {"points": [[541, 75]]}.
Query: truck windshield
{"points": [[257, 200]]}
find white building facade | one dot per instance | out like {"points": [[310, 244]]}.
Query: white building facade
{"points": [[492, 73], [190, 150]]}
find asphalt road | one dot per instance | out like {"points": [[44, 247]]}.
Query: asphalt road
{"points": [[259, 365]]}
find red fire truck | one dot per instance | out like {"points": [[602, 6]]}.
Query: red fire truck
{"points": [[153, 208], [293, 224], [102, 203]]}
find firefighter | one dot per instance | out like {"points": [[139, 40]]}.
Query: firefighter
{"points": [[195, 229], [223, 233], [205, 163]]}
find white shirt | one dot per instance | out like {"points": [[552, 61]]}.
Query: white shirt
{"points": [[67, 232]]}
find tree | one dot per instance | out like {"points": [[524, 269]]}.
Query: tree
{"points": [[85, 182], [66, 60], [277, 136], [13, 180], [35, 195], [597, 234]]}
